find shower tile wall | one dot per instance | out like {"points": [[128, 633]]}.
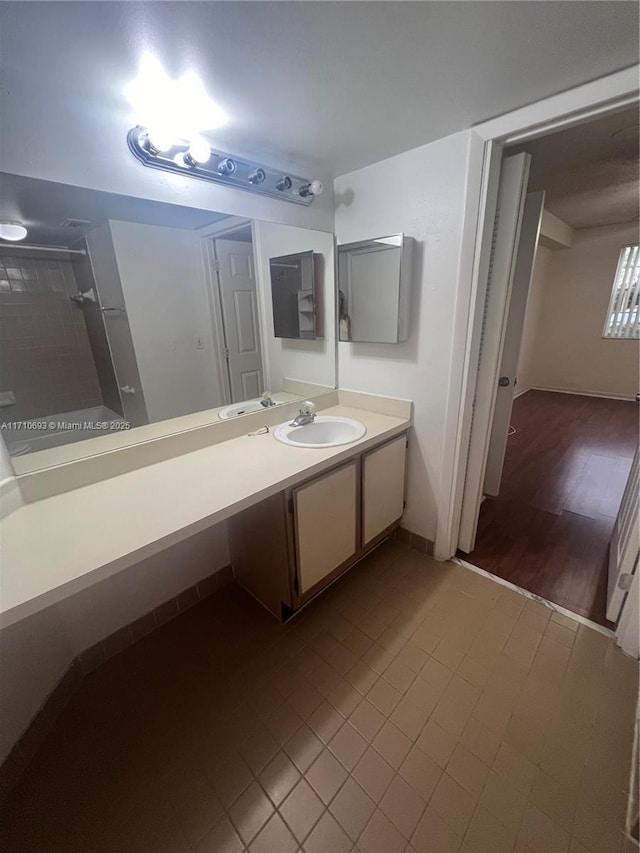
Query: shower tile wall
{"points": [[45, 356]]}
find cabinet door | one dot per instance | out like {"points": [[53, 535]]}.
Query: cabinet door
{"points": [[382, 488], [326, 524]]}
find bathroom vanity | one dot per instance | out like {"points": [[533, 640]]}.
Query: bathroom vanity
{"points": [[287, 548]]}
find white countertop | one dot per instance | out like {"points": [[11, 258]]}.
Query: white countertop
{"points": [[57, 546]]}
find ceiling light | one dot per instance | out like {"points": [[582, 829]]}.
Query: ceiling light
{"points": [[199, 150], [12, 231], [175, 109]]}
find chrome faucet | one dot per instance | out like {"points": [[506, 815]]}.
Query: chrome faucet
{"points": [[305, 416], [266, 401]]}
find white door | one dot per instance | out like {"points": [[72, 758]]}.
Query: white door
{"points": [[236, 274], [514, 175], [525, 259], [625, 544]]}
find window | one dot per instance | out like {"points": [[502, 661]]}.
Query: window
{"points": [[623, 315]]}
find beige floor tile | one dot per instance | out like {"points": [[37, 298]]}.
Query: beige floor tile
{"points": [[279, 777], [403, 806], [399, 675], [467, 769], [451, 716], [392, 744], [542, 834], [259, 749], [229, 778], [565, 622], [453, 803], [481, 741], [284, 723], [344, 698], [362, 677], [487, 834], [275, 836], [384, 696], [374, 774], [409, 718], [221, 839], [437, 743], [302, 809], [554, 800], [565, 767], [450, 651], [327, 835], [515, 767], [504, 800], [413, 657], [535, 615], [326, 775], [523, 644], [377, 657], [473, 672], [433, 833], [303, 748], [492, 713], [325, 721], [352, 808], [424, 695], [250, 812], [357, 641], [421, 772], [348, 746], [525, 737], [598, 834], [381, 836], [367, 720]]}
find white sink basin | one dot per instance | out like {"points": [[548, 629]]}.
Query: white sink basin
{"points": [[325, 431], [243, 408]]}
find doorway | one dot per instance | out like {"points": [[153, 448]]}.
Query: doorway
{"points": [[556, 450], [236, 297]]}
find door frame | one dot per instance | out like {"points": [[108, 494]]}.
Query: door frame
{"points": [[599, 98]]}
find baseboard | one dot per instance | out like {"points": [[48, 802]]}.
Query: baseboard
{"points": [[521, 392], [630, 398], [413, 540], [90, 659]]}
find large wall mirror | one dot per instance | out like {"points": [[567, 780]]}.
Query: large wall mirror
{"points": [[117, 313]]}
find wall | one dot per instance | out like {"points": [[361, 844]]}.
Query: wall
{"points": [[524, 372], [162, 277], [94, 322], [427, 194], [309, 361], [35, 653], [45, 356], [565, 349], [118, 331]]}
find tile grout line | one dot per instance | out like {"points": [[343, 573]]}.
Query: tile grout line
{"points": [[557, 608]]}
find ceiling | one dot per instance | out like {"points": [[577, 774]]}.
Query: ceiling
{"points": [[42, 206], [590, 172], [331, 85]]}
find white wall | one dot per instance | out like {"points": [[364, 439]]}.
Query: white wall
{"points": [[430, 194], [36, 652], [164, 286], [524, 372], [309, 361], [565, 349]]}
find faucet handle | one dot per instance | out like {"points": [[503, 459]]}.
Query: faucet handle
{"points": [[266, 395], [308, 407]]}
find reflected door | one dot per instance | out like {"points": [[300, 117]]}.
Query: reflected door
{"points": [[236, 274]]}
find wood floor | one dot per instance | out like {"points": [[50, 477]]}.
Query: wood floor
{"points": [[564, 475]]}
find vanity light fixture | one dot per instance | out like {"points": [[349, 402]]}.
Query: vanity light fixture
{"points": [[194, 156], [10, 230]]}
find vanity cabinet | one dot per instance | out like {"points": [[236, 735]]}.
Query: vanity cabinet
{"points": [[288, 547]]}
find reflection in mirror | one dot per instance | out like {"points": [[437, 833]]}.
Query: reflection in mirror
{"points": [[118, 313], [295, 296], [374, 281]]}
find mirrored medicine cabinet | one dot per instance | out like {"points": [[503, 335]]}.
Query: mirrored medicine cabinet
{"points": [[374, 289]]}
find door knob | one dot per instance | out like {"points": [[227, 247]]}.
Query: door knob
{"points": [[503, 381]]}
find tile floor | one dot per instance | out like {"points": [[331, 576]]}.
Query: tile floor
{"points": [[415, 706]]}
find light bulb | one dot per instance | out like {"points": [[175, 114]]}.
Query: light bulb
{"points": [[199, 150], [316, 187], [181, 160], [12, 231], [160, 138], [227, 166]]}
